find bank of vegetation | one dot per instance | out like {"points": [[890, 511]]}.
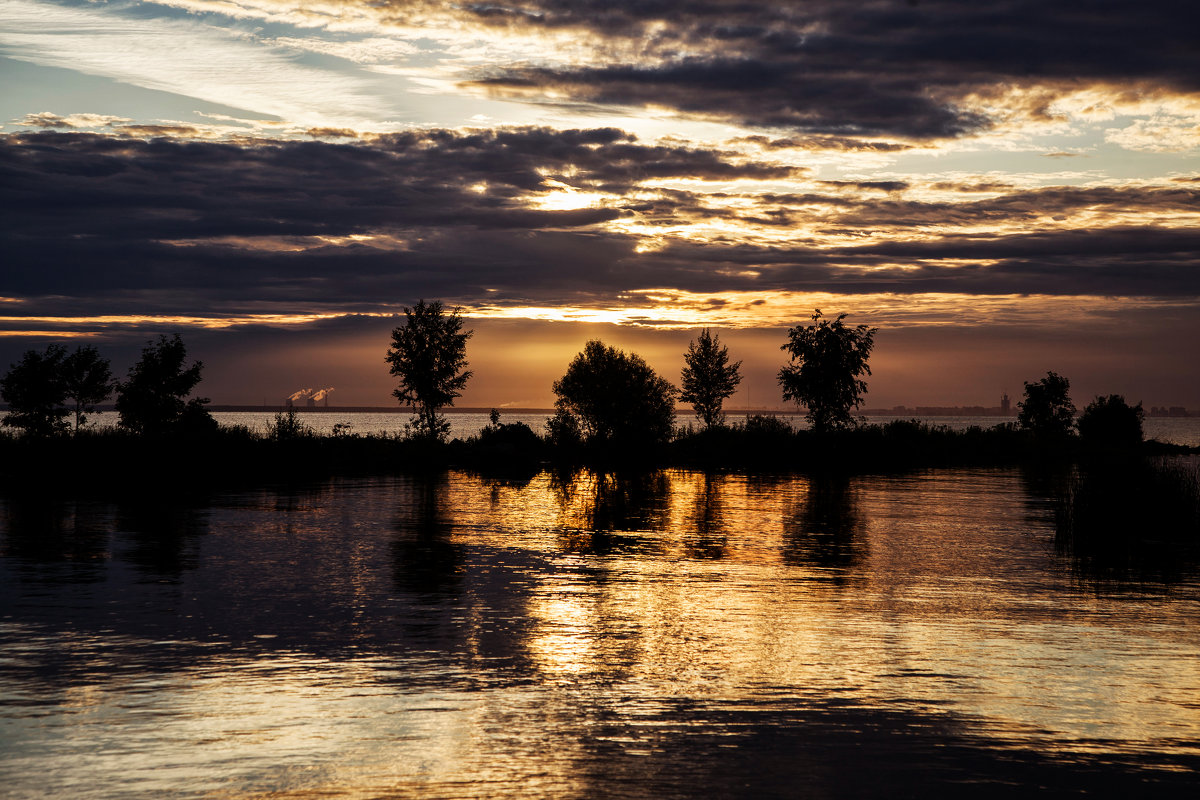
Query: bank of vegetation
{"points": [[612, 411]]}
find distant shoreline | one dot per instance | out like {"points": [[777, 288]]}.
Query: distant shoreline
{"points": [[367, 409], [922, 411], [900, 411], [906, 412]]}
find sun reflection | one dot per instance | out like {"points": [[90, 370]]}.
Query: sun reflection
{"points": [[565, 633]]}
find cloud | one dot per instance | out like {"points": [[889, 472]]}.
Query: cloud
{"points": [[132, 222], [374, 50], [101, 225], [867, 69], [750, 92], [182, 56], [48, 119], [829, 71], [879, 75], [882, 186], [1162, 133]]}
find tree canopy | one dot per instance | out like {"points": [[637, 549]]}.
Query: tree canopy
{"points": [[36, 393], [1047, 409], [708, 377], [1111, 422], [87, 381], [828, 362], [429, 355], [613, 397], [151, 399]]}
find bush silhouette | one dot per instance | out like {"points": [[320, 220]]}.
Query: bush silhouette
{"points": [[1110, 422], [613, 398], [287, 425]]}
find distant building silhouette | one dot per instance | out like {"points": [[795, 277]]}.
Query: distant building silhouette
{"points": [[1005, 405], [1169, 411]]}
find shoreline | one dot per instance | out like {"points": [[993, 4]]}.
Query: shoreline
{"points": [[115, 461]]}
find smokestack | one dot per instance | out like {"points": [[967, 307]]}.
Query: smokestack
{"points": [[299, 395], [321, 394]]}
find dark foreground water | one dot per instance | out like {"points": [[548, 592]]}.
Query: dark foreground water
{"points": [[664, 636]]}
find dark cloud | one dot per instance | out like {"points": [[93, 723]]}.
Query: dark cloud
{"points": [[90, 184], [95, 224], [146, 131], [332, 133], [882, 186], [870, 68], [755, 93], [140, 223], [836, 143], [1018, 206], [979, 187], [1127, 261]]}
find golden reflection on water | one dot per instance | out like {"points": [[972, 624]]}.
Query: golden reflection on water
{"points": [[918, 591], [505, 636]]}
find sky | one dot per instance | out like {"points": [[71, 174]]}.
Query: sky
{"points": [[1002, 189]]}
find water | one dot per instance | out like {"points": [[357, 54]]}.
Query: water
{"points": [[674, 634], [1179, 430]]}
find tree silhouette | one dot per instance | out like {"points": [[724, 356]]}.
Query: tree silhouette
{"points": [[1047, 409], [611, 397], [828, 362], [708, 377], [87, 381], [151, 400], [35, 392], [1111, 422], [428, 355]]}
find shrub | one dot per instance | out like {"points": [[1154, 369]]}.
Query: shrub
{"points": [[1110, 422], [287, 426], [613, 398]]}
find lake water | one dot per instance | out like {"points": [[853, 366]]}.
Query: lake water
{"points": [[579, 636], [1178, 430]]}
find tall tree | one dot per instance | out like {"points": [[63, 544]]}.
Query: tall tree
{"points": [[708, 377], [828, 362], [151, 400], [87, 381], [1047, 409], [35, 392], [612, 397], [429, 356]]}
